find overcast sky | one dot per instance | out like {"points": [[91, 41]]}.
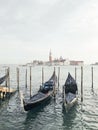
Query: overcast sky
{"points": [[30, 28]]}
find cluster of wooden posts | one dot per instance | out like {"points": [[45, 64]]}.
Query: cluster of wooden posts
{"points": [[4, 90], [7, 91], [30, 78], [82, 80], [58, 79]]}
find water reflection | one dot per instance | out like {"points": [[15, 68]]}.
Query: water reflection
{"points": [[36, 117], [51, 116], [69, 117]]}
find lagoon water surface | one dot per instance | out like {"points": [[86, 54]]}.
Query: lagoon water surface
{"points": [[51, 116]]}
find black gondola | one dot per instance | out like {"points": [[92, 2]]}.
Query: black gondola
{"points": [[2, 79], [43, 95], [70, 92]]}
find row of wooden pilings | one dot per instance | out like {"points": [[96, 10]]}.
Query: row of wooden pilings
{"points": [[31, 78], [82, 80], [7, 82], [58, 79]]}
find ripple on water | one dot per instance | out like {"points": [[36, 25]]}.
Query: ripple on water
{"points": [[52, 116]]}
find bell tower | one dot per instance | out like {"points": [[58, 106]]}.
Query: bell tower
{"points": [[50, 56]]}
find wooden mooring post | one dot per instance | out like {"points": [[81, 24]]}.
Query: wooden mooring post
{"points": [[75, 73], [6, 94], [58, 77], [26, 79], [81, 84], [42, 75], [18, 79], [30, 81], [9, 78], [92, 76], [3, 95], [54, 87], [8, 82]]}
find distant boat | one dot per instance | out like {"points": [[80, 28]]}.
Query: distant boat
{"points": [[70, 89], [43, 95]]}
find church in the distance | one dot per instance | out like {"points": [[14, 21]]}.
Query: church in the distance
{"points": [[62, 61], [56, 61]]}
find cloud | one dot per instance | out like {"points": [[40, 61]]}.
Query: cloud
{"points": [[29, 29]]}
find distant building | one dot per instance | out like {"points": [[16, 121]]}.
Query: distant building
{"points": [[96, 63], [60, 61], [73, 62], [35, 62], [56, 61]]}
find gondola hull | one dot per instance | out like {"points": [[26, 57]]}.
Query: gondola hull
{"points": [[70, 104], [70, 92], [43, 95], [39, 102]]}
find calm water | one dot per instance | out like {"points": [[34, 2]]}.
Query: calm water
{"points": [[51, 116]]}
